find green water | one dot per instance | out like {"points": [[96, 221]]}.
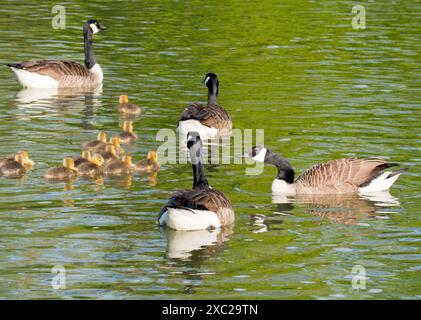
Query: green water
{"points": [[320, 90]]}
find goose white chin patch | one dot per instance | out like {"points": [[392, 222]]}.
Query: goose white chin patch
{"points": [[260, 157], [206, 80], [94, 28]]}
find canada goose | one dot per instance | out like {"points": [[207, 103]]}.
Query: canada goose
{"points": [[91, 168], [120, 167], [127, 136], [85, 157], [28, 163], [208, 120], [101, 140], [15, 167], [201, 207], [63, 74], [347, 175], [109, 154], [150, 164], [126, 107], [67, 171]]}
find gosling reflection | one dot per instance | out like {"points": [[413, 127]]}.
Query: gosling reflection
{"points": [[35, 102], [341, 209], [195, 246]]}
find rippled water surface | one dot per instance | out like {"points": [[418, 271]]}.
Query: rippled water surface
{"points": [[320, 89]]}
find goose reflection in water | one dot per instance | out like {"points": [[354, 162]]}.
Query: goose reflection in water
{"points": [[38, 103], [195, 246], [340, 209]]}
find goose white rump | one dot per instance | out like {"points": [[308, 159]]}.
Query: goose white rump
{"points": [[189, 220]]}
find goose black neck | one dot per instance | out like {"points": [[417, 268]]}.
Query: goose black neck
{"points": [[285, 171], [199, 177], [90, 60], [213, 93]]}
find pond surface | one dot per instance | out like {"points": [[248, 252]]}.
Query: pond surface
{"points": [[320, 89]]}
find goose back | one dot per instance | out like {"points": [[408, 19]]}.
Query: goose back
{"points": [[341, 175], [213, 116], [66, 73], [202, 199]]}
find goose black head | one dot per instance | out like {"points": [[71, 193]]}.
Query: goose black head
{"points": [[194, 143], [193, 138], [212, 82], [258, 153], [94, 26]]}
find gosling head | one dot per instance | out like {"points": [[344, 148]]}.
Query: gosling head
{"points": [[115, 141], [25, 154], [153, 156], [128, 126], [124, 98], [127, 160], [111, 149], [98, 160], [86, 155], [102, 136], [69, 163], [20, 158]]}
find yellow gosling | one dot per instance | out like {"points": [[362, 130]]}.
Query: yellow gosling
{"points": [[92, 168], [127, 136], [120, 167], [101, 139], [65, 172], [126, 107], [150, 164], [14, 168], [85, 157], [109, 154]]}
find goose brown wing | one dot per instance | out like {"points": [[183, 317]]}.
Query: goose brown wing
{"points": [[54, 68], [342, 175], [212, 116], [202, 199]]}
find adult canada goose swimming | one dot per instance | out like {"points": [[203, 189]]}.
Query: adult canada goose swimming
{"points": [[208, 120], [67, 171], [347, 175], [201, 207], [63, 74], [150, 164], [126, 107], [92, 168], [85, 157], [101, 140], [14, 168], [120, 167], [127, 136]]}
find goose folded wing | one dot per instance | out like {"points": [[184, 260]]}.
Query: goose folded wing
{"points": [[199, 199], [55, 69], [349, 173], [210, 116]]}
